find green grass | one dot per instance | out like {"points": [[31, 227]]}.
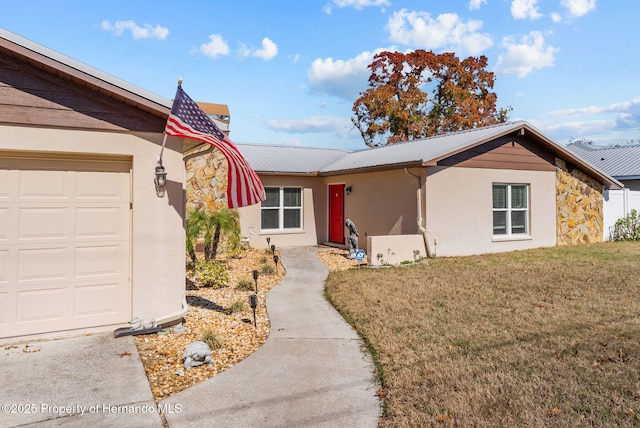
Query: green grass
{"points": [[547, 337]]}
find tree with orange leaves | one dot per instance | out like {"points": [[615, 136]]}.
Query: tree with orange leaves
{"points": [[420, 94]]}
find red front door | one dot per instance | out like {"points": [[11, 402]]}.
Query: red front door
{"points": [[336, 213]]}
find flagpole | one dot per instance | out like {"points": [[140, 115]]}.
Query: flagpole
{"points": [[161, 176], [164, 140]]}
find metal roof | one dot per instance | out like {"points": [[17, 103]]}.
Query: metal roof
{"points": [[98, 80], [420, 152], [266, 158], [425, 152], [621, 162]]}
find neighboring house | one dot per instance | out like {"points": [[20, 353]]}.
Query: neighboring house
{"points": [[621, 163], [499, 188], [85, 243]]}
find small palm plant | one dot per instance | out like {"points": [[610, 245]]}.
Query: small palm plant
{"points": [[211, 226]]}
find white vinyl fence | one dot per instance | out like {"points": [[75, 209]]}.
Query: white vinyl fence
{"points": [[617, 204]]}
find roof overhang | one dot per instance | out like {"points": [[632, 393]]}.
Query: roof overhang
{"points": [[82, 74], [378, 168]]}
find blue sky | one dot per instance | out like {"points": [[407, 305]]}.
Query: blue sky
{"points": [[290, 70]]}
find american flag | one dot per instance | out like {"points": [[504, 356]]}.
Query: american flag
{"points": [[187, 120]]}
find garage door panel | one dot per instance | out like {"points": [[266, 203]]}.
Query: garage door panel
{"points": [[6, 308], [101, 186], [43, 264], [106, 222], [5, 217], [65, 243], [42, 305], [101, 261], [98, 300], [49, 185], [4, 184], [43, 223]]}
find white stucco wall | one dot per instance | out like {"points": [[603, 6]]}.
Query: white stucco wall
{"points": [[459, 213], [314, 199], [157, 243]]}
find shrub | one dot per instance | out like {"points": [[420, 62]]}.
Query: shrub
{"points": [[237, 306], [212, 340], [245, 285], [212, 273], [267, 269], [627, 228]]}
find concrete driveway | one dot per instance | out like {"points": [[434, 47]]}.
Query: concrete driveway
{"points": [[82, 381]]}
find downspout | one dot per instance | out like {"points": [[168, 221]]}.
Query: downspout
{"points": [[421, 228]]}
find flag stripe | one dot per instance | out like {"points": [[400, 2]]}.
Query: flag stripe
{"points": [[187, 120]]}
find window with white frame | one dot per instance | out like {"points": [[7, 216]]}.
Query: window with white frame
{"points": [[510, 209], [282, 209]]}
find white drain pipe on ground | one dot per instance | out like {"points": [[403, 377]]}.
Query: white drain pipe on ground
{"points": [[421, 228]]}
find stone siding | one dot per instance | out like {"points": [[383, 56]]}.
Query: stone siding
{"points": [[579, 204], [206, 181]]}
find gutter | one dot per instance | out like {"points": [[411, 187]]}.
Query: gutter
{"points": [[429, 250]]}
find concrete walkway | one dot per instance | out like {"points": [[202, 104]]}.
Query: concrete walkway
{"points": [[311, 372]]}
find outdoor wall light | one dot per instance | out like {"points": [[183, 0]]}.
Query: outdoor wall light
{"points": [[160, 180], [348, 189]]}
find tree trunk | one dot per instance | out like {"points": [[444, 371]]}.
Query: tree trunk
{"points": [[215, 242]]}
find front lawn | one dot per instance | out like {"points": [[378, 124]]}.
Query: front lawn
{"points": [[547, 337]]}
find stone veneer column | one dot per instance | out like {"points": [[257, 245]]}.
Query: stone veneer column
{"points": [[579, 207], [206, 181]]}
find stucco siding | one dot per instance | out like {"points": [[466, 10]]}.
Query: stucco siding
{"points": [[459, 211], [314, 200], [157, 230], [381, 203]]}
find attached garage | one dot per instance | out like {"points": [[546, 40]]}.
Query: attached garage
{"points": [[65, 243], [85, 243]]}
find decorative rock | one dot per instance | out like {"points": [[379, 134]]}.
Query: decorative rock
{"points": [[179, 329], [196, 354], [179, 373]]}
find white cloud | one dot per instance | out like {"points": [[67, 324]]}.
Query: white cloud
{"points": [[268, 51], [529, 55], [556, 17], [313, 124], [446, 32], [344, 79], [216, 46], [145, 32], [525, 9], [356, 4], [605, 124], [574, 9], [625, 114], [579, 7], [475, 4]]}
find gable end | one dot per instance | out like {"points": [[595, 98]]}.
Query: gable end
{"points": [[32, 96], [508, 152]]}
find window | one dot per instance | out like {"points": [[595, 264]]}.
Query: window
{"points": [[282, 210], [510, 209]]}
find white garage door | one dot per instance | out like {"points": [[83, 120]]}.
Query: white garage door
{"points": [[64, 243]]}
